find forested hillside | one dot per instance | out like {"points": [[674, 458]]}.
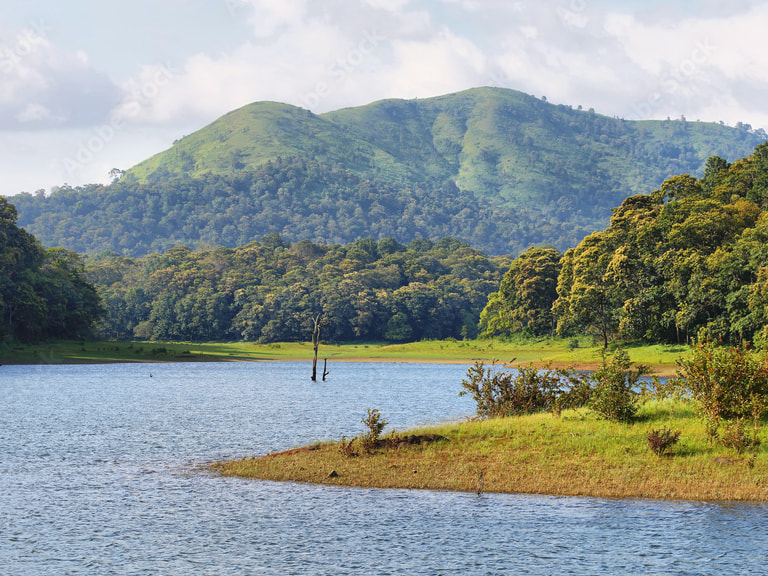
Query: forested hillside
{"points": [[692, 255], [296, 199], [42, 292], [493, 167], [269, 290]]}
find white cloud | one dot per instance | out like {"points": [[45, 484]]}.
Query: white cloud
{"points": [[444, 63], [321, 64], [42, 86], [652, 61], [690, 64], [268, 16], [34, 113], [287, 69], [390, 5]]}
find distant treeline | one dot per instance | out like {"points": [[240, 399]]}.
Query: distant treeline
{"points": [[691, 256], [268, 290]]}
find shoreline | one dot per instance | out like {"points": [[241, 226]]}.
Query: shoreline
{"points": [[661, 358], [662, 371], [574, 455]]}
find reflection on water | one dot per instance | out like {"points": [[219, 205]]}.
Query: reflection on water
{"points": [[99, 474]]}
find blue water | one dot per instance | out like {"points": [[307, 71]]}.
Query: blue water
{"points": [[101, 472]]}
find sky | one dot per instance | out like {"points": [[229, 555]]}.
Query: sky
{"points": [[91, 85]]}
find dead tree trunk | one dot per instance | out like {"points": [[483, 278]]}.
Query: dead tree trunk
{"points": [[325, 368], [319, 321]]}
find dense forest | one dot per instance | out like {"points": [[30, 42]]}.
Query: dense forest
{"points": [[269, 290], [298, 200], [43, 293], [691, 256], [496, 168]]}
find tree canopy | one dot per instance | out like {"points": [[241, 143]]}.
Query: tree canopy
{"points": [[690, 256], [525, 297], [269, 290], [43, 293]]}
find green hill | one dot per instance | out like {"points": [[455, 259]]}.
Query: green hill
{"points": [[249, 137], [494, 167]]}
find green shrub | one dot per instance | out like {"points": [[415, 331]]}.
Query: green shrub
{"points": [[375, 424], [735, 436], [615, 388], [727, 383], [525, 390]]}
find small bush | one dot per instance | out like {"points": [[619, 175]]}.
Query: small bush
{"points": [[659, 391], [735, 436], [614, 391], [375, 424], [728, 383], [661, 441]]}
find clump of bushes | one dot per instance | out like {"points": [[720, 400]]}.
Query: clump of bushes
{"points": [[730, 386], [611, 392], [526, 390]]}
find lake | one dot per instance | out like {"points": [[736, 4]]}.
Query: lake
{"points": [[102, 472]]}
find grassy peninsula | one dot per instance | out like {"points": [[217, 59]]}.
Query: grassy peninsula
{"points": [[604, 434], [574, 454]]}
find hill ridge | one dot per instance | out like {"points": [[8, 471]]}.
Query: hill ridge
{"points": [[495, 167]]}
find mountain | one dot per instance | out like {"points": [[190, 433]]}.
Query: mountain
{"points": [[494, 167]]}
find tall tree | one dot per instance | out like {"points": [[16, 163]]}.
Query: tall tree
{"points": [[586, 297], [525, 297]]}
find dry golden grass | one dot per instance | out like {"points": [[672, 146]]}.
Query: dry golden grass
{"points": [[542, 454]]}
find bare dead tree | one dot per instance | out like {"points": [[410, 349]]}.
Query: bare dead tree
{"points": [[318, 322]]}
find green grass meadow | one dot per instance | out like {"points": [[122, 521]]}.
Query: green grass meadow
{"points": [[562, 353]]}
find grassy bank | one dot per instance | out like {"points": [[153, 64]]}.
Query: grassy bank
{"points": [[559, 352], [575, 454]]}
